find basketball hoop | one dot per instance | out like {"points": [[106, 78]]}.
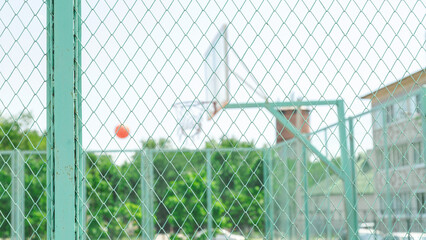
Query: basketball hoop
{"points": [[190, 117]]}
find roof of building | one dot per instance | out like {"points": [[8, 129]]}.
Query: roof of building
{"points": [[403, 85]]}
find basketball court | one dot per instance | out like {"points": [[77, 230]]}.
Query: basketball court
{"points": [[212, 120]]}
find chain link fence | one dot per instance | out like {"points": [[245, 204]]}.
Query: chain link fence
{"points": [[212, 120]]}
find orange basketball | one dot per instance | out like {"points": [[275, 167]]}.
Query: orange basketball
{"points": [[122, 131]]}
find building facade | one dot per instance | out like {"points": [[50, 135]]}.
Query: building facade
{"points": [[398, 154]]}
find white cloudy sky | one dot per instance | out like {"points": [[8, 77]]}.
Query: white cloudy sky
{"points": [[139, 57]]}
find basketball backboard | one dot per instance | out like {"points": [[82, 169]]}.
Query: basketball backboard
{"points": [[217, 73]]}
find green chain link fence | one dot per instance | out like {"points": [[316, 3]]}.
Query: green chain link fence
{"points": [[212, 120]]}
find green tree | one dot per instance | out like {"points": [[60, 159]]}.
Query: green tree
{"points": [[186, 202], [112, 197], [18, 134], [238, 174]]}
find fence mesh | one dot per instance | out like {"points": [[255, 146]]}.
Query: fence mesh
{"points": [[296, 120]]}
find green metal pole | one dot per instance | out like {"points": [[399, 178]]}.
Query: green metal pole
{"points": [[287, 208], [352, 167], [281, 104], [18, 196], [423, 112], [81, 166], [267, 184], [151, 196], [388, 211], [81, 200], [328, 226], [144, 187], [351, 142], [349, 176], [144, 190], [147, 197], [271, 200], [63, 121], [305, 190], [209, 196], [49, 124]]}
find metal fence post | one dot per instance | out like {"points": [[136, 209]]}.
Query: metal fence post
{"points": [[423, 111], [328, 215], [305, 191], [268, 198], [351, 143], [18, 196], [147, 195], [287, 208], [62, 94], [388, 210], [49, 124], [144, 186], [348, 176], [209, 196], [81, 166], [81, 200], [352, 167], [151, 195]]}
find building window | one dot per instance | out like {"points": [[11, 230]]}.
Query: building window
{"points": [[395, 156], [417, 149], [382, 205], [404, 154], [379, 157], [389, 113], [418, 100], [401, 110], [421, 203], [378, 119], [401, 203], [415, 102], [399, 155], [406, 203], [397, 204]]}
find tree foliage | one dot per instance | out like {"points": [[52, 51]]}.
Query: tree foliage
{"points": [[19, 135], [113, 192]]}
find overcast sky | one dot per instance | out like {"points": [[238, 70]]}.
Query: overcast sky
{"points": [[141, 57]]}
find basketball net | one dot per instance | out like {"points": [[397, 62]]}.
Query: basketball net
{"points": [[190, 117]]}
